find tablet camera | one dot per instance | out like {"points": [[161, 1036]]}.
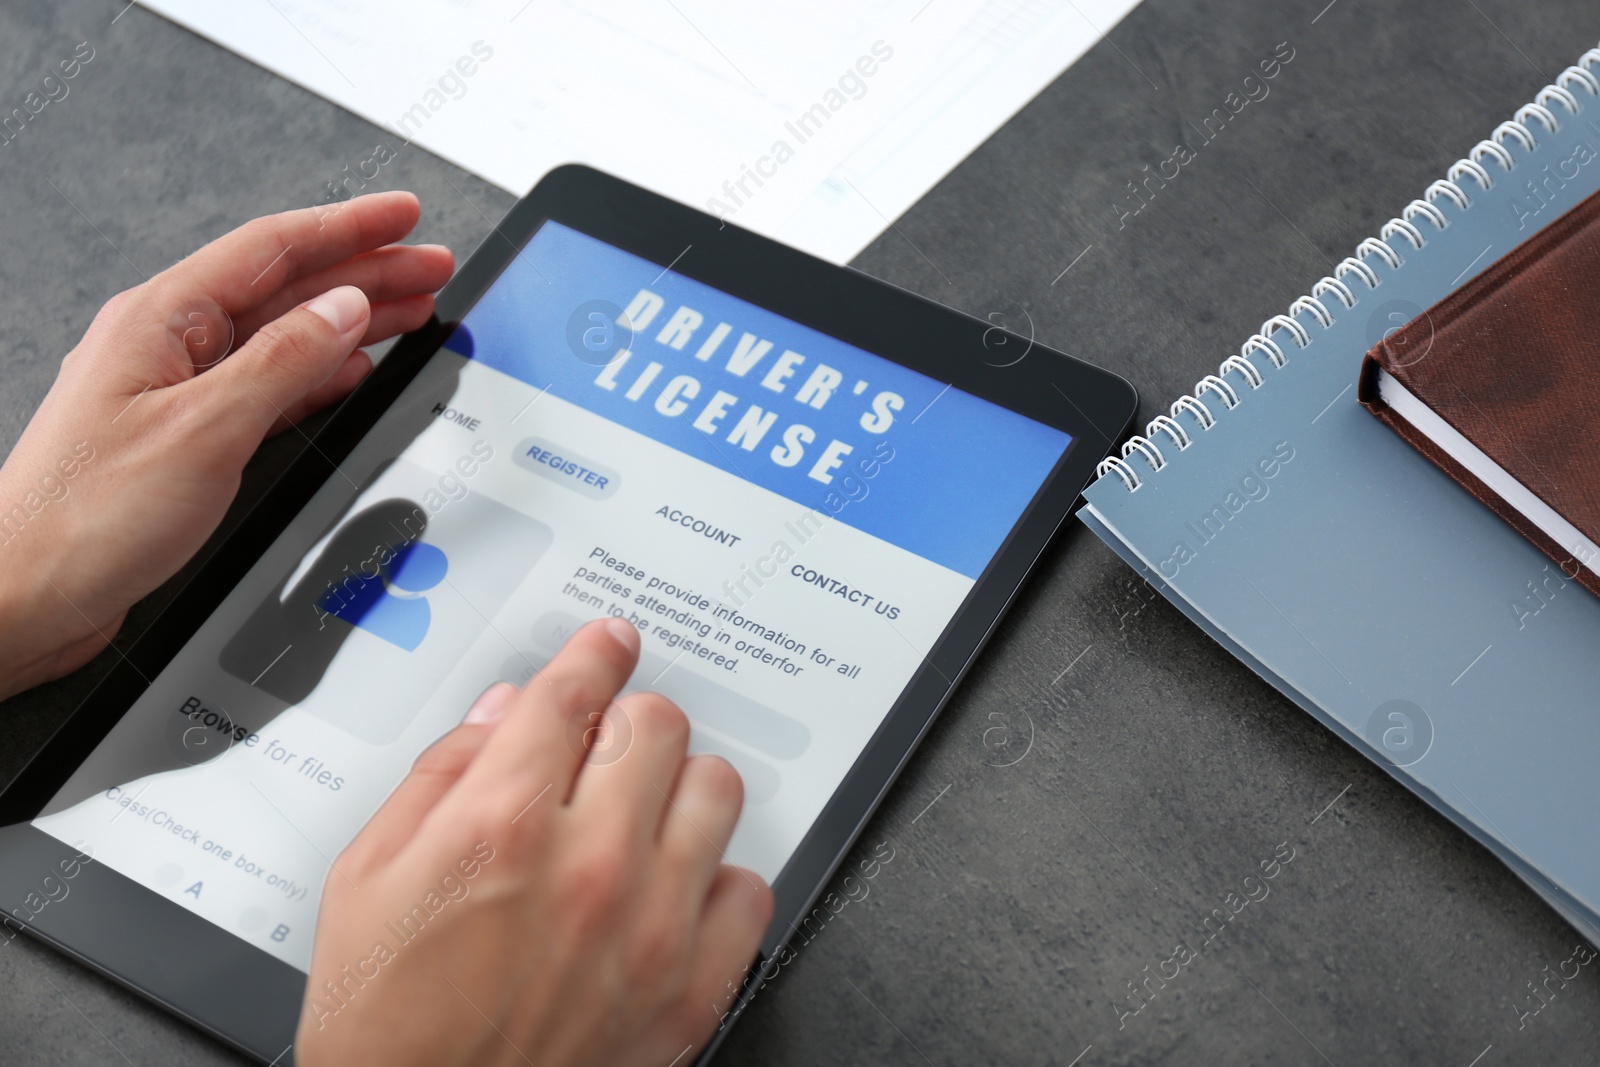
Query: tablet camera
{"points": [[598, 332]]}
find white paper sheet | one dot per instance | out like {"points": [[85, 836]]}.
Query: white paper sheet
{"points": [[816, 123]]}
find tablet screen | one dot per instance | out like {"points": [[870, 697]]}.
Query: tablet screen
{"points": [[791, 523]]}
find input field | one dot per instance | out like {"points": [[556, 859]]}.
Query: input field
{"points": [[761, 781], [706, 701]]}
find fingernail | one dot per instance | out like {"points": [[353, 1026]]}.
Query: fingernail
{"points": [[626, 634], [491, 704], [342, 308]]}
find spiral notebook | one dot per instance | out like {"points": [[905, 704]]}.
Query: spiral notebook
{"points": [[1363, 582]]}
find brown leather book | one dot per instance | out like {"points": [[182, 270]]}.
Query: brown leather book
{"points": [[1499, 384]]}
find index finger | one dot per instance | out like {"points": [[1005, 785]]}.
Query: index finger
{"points": [[536, 739], [244, 268]]}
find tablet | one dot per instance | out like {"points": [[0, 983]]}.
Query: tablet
{"points": [[813, 493]]}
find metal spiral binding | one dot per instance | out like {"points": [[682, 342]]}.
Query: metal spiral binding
{"points": [[1519, 128]]}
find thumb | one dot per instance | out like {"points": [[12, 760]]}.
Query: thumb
{"points": [[290, 357]]}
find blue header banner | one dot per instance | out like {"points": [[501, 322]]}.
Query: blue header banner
{"points": [[882, 448]]}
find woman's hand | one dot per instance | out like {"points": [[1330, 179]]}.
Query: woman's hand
{"points": [[546, 887], [135, 454]]}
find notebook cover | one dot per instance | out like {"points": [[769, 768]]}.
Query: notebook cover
{"points": [[1512, 361]]}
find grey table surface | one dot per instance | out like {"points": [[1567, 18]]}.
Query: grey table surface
{"points": [[1022, 900]]}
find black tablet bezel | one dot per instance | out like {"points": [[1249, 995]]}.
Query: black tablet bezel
{"points": [[250, 999]]}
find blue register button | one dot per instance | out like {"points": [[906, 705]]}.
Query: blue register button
{"points": [[566, 467]]}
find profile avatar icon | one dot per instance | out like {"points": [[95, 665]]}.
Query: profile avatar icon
{"points": [[366, 623], [390, 603]]}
